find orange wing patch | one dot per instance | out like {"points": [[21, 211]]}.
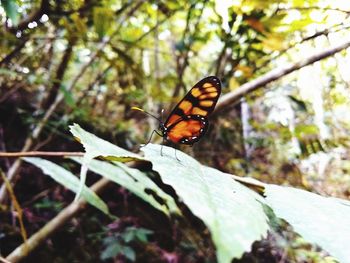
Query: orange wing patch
{"points": [[188, 130], [200, 100], [196, 92], [206, 103], [199, 111]]}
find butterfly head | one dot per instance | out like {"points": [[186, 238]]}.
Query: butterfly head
{"points": [[161, 126], [163, 129]]}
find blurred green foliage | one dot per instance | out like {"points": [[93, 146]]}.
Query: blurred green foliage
{"points": [[117, 244]]}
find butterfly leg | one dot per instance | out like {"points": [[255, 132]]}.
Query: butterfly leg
{"points": [[158, 133], [150, 138]]}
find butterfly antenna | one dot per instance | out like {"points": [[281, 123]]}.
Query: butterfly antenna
{"points": [[136, 108]]}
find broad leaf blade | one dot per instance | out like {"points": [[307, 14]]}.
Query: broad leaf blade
{"points": [[321, 220], [135, 181], [232, 212], [95, 146], [68, 180]]}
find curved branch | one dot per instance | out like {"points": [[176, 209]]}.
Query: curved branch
{"points": [[324, 32], [57, 81], [230, 98], [308, 8], [14, 52]]}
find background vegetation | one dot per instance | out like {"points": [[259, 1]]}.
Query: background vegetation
{"points": [[282, 118]]}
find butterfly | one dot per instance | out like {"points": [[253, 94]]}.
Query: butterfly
{"points": [[188, 121]]}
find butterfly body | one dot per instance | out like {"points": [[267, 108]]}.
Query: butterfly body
{"points": [[188, 121]]}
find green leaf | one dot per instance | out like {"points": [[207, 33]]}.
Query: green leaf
{"points": [[303, 130], [11, 9], [142, 234], [129, 253], [321, 220], [68, 180], [8, 73], [232, 212], [68, 96], [133, 233], [46, 203], [111, 251], [103, 20], [135, 181], [129, 235], [95, 146], [80, 28], [83, 175]]}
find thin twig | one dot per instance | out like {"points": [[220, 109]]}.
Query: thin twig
{"points": [[39, 153], [59, 75], [12, 90], [326, 32], [3, 147], [36, 197], [308, 8], [18, 208], [14, 52]]}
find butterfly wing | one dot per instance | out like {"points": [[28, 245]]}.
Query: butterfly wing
{"points": [[200, 100], [187, 130]]}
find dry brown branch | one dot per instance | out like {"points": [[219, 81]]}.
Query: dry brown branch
{"points": [[14, 52], [38, 153], [62, 218], [230, 98], [57, 82], [10, 92]]}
